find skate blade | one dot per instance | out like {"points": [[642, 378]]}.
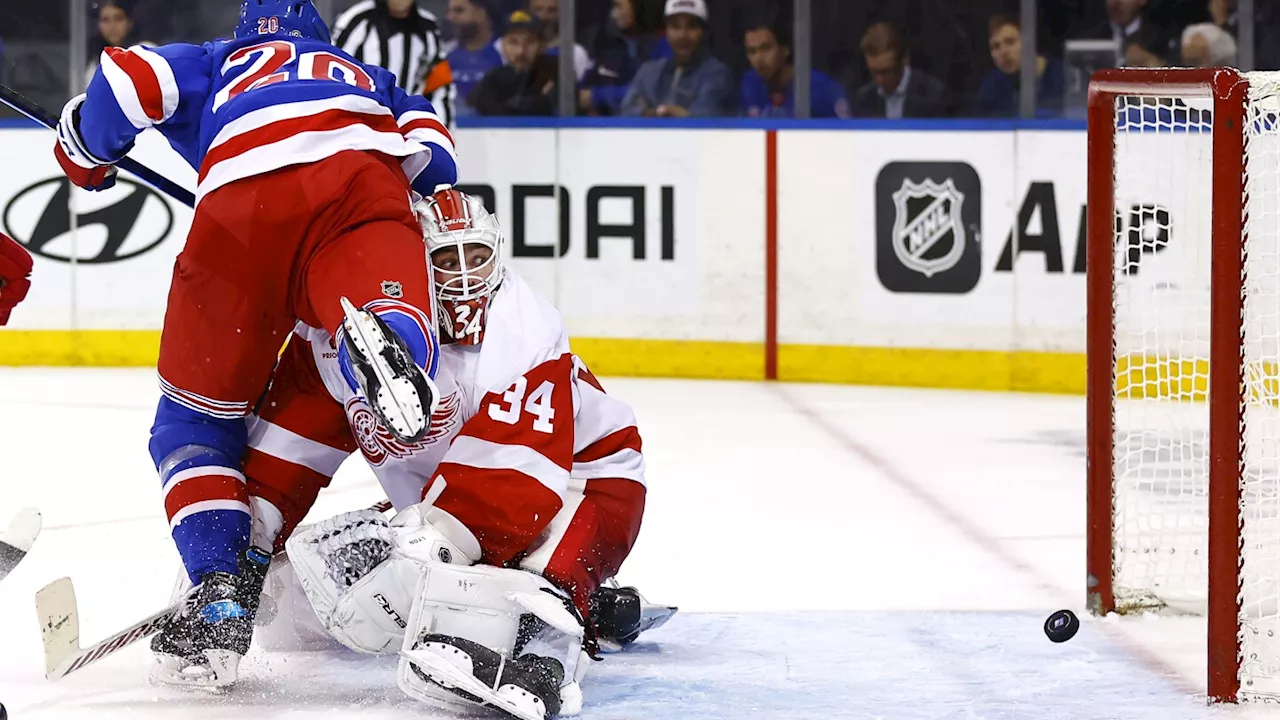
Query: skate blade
{"points": [[653, 617], [447, 675], [219, 674], [396, 398]]}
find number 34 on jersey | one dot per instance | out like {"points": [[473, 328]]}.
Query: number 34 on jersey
{"points": [[536, 410]]}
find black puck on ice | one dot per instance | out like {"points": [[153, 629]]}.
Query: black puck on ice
{"points": [[4, 714], [1060, 627]]}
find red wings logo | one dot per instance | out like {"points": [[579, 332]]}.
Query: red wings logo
{"points": [[377, 443]]}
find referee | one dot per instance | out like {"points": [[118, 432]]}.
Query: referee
{"points": [[405, 39]]}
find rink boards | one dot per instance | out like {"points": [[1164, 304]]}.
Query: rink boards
{"points": [[946, 256]]}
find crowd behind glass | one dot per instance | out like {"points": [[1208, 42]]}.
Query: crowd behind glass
{"points": [[883, 59]]}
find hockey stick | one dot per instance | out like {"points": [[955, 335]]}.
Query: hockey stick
{"points": [[18, 539], [27, 107], [60, 631], [60, 627]]}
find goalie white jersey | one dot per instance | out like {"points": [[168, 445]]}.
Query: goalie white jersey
{"points": [[525, 448]]}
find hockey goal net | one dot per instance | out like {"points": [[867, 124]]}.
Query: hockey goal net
{"points": [[1184, 360]]}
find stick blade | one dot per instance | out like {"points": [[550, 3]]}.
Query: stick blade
{"points": [[22, 532], [17, 539], [59, 625]]}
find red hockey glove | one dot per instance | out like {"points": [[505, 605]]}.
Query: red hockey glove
{"points": [[80, 166], [15, 267]]}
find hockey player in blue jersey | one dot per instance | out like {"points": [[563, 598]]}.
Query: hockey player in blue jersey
{"points": [[308, 162]]}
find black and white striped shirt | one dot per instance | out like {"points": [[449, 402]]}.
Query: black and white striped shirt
{"points": [[410, 48]]}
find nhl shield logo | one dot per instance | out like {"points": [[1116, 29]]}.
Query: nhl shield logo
{"points": [[392, 289], [928, 234], [928, 227]]}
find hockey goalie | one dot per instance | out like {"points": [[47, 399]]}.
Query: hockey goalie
{"points": [[525, 497]]}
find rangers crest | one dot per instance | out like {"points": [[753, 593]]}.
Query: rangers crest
{"points": [[928, 233], [377, 443]]}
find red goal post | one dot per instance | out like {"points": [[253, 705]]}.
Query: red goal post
{"points": [[1170, 381]]}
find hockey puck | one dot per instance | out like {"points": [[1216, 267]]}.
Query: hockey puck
{"points": [[4, 714], [1060, 627]]}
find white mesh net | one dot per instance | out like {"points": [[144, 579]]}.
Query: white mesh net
{"points": [[1163, 286]]}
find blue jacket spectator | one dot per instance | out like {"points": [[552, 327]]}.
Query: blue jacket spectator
{"points": [[768, 88], [691, 83], [619, 48], [998, 93], [477, 50]]}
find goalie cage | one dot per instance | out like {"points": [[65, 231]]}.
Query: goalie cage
{"points": [[1184, 359]]}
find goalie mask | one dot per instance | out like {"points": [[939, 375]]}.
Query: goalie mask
{"points": [[464, 246]]}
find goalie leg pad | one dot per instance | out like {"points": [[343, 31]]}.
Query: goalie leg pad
{"points": [[360, 572], [505, 613], [292, 625]]}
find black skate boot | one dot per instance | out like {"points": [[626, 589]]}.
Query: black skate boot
{"points": [[399, 392], [203, 644], [615, 614], [619, 615], [527, 688]]}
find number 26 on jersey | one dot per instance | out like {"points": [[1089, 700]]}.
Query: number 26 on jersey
{"points": [[278, 60]]}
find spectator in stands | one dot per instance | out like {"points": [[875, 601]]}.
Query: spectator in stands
{"points": [[115, 29], [998, 95], [691, 83], [405, 39], [1124, 18], [547, 13], [526, 85], [1223, 14], [1146, 48], [1207, 45], [632, 37], [896, 90], [477, 51], [768, 88]]}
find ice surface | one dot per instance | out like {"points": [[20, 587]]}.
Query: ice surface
{"points": [[836, 552]]}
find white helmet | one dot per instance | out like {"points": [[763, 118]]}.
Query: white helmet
{"points": [[452, 220]]}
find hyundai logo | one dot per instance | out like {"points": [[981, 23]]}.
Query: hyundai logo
{"points": [[113, 225]]}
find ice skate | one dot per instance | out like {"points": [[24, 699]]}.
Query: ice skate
{"points": [[398, 391], [527, 688], [202, 646]]}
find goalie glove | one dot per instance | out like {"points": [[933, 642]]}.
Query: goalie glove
{"points": [[359, 571], [80, 166], [354, 544]]}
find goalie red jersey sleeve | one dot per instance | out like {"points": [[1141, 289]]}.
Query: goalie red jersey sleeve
{"points": [[297, 439], [550, 472], [596, 530], [507, 471]]}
